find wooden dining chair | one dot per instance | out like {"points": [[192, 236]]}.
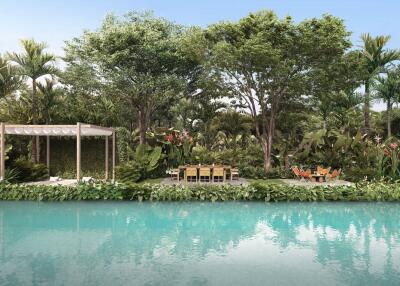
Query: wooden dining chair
{"points": [[174, 174], [191, 174], [218, 174], [234, 174], [205, 174]]}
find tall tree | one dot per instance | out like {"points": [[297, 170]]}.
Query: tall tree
{"points": [[331, 83], [268, 63], [137, 56], [33, 63], [346, 109], [388, 90], [376, 58]]}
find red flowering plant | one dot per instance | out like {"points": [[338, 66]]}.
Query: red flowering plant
{"points": [[177, 145], [391, 159]]}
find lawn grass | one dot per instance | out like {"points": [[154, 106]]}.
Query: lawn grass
{"points": [[267, 181]]}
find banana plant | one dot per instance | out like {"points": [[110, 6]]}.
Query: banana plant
{"points": [[148, 157]]}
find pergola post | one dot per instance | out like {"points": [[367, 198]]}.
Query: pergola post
{"points": [[106, 158], [2, 151], [48, 153], [113, 155], [78, 151], [37, 138]]}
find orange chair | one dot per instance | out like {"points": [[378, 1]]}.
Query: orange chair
{"points": [[322, 171], [191, 174], [296, 172], [335, 174], [218, 174], [307, 175], [326, 171]]}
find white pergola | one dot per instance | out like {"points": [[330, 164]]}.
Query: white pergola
{"points": [[79, 130]]}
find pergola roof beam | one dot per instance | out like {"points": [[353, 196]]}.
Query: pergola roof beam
{"points": [[57, 130]]}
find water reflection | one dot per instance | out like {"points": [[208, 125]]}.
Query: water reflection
{"points": [[199, 243]]}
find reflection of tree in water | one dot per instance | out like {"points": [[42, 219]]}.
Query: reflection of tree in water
{"points": [[340, 231], [136, 232], [185, 229]]}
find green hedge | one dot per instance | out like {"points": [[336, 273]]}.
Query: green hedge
{"points": [[377, 191]]}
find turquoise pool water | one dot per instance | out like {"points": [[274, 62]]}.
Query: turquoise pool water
{"points": [[129, 243]]}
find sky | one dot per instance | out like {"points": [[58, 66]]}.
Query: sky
{"points": [[55, 21]]}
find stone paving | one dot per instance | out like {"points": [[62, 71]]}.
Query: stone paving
{"points": [[303, 183], [240, 182]]}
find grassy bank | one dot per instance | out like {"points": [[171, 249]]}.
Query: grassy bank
{"points": [[377, 191]]}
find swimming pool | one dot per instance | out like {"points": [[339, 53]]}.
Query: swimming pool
{"points": [[193, 243]]}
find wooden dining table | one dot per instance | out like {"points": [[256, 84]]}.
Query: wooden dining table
{"points": [[318, 177], [183, 168]]}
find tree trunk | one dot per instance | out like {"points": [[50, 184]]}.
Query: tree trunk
{"points": [[37, 139], [389, 127], [367, 124], [34, 148], [286, 163], [266, 154], [142, 126]]}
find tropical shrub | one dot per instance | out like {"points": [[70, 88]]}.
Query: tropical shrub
{"points": [[26, 171], [356, 174], [359, 157], [11, 175], [92, 191], [335, 149], [129, 172], [145, 163], [253, 172], [372, 191]]}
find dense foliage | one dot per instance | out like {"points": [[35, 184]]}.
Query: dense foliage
{"points": [[377, 191], [262, 94]]}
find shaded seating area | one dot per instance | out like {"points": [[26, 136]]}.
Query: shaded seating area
{"points": [[78, 131]]}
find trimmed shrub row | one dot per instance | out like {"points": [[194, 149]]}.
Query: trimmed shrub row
{"points": [[376, 191]]}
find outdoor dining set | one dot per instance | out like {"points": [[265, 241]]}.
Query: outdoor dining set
{"points": [[319, 175], [204, 173]]}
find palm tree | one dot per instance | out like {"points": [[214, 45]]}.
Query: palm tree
{"points": [[33, 63], [9, 80], [376, 58], [49, 97], [388, 90], [345, 107]]}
